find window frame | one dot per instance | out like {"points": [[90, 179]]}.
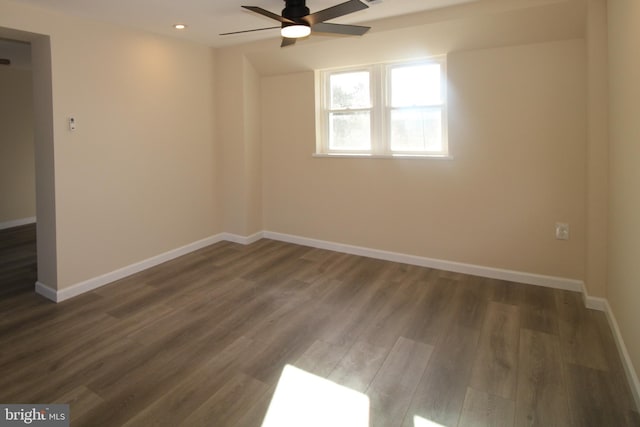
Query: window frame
{"points": [[326, 104], [381, 108]]}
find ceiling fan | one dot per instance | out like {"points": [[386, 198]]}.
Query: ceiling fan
{"points": [[297, 21]]}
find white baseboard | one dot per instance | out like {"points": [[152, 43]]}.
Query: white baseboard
{"points": [[243, 240], [47, 292], [17, 222], [457, 267], [602, 304], [476, 270], [594, 303], [96, 282], [629, 370]]}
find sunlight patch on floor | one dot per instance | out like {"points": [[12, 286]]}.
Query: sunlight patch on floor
{"points": [[304, 399], [421, 422]]}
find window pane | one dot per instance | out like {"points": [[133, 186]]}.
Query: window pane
{"points": [[350, 90], [350, 131], [415, 85], [416, 129]]}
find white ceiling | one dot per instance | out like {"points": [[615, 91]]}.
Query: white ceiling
{"points": [[207, 18]]}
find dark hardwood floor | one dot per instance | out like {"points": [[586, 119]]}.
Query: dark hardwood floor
{"points": [[202, 341]]}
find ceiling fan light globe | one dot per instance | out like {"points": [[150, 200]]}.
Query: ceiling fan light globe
{"points": [[295, 31]]}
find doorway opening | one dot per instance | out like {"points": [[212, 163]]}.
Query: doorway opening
{"points": [[18, 268], [27, 184]]}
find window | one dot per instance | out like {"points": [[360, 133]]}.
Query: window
{"points": [[384, 110]]}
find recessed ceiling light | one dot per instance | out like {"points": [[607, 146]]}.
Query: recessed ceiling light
{"points": [[179, 26]]}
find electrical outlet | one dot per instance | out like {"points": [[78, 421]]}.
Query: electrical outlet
{"points": [[562, 231]]}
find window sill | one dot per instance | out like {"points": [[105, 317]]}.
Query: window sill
{"points": [[383, 156]]}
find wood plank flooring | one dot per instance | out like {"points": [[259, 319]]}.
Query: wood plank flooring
{"points": [[202, 341]]}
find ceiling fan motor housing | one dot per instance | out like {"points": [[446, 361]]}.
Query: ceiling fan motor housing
{"points": [[295, 9]]}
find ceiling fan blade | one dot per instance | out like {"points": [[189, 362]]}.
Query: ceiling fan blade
{"points": [[268, 14], [248, 31], [287, 42], [350, 30], [335, 12]]}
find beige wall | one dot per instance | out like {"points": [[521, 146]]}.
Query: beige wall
{"points": [[624, 242], [238, 136], [515, 172], [17, 159], [229, 89], [137, 178], [253, 149], [597, 173]]}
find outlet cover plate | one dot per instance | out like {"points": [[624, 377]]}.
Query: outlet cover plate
{"points": [[562, 231]]}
